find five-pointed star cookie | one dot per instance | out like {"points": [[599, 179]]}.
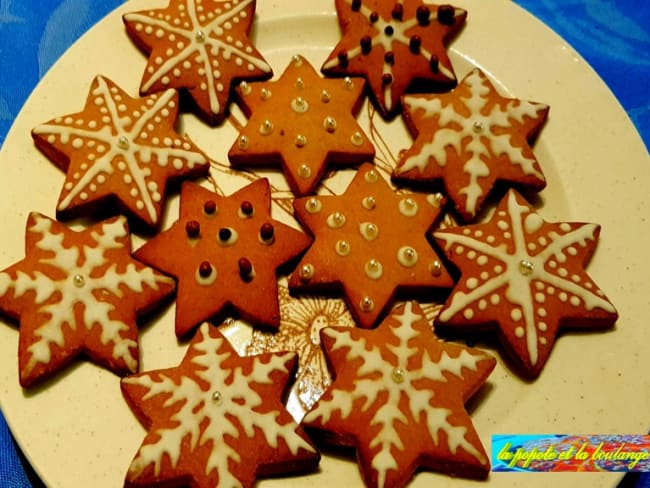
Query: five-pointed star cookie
{"points": [[370, 244], [525, 277], [304, 123], [471, 138], [396, 46], [201, 46], [217, 419], [78, 293], [119, 148], [225, 251], [399, 398]]}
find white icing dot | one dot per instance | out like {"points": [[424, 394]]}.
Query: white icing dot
{"points": [[515, 314], [468, 313], [495, 299], [542, 326], [519, 332], [471, 283], [336, 220], [575, 301]]}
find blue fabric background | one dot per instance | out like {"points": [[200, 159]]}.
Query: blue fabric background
{"points": [[612, 35]]}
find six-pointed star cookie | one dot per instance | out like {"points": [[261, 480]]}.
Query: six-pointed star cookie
{"points": [[370, 243], [217, 419], [395, 46], [119, 148], [200, 46], [471, 138], [302, 122], [225, 251], [399, 398], [78, 293], [526, 277]]}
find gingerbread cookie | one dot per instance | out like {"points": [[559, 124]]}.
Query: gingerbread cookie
{"points": [[397, 46], [399, 398], [525, 277], [217, 419], [370, 244], [200, 47], [78, 293], [119, 149], [470, 139], [225, 251], [303, 123]]}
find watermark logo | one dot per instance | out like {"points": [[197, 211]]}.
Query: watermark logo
{"points": [[553, 453]]}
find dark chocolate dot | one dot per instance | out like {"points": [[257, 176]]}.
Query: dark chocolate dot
{"points": [[433, 63], [446, 14], [356, 5], [246, 207], [389, 57], [398, 11], [414, 44], [423, 13], [388, 30], [210, 207], [366, 44], [343, 58], [386, 79], [224, 234], [193, 229], [245, 268], [267, 231], [374, 17], [205, 269]]}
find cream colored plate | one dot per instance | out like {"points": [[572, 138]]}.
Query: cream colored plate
{"points": [[79, 432]]}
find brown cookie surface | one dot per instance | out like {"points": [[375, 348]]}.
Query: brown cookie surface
{"points": [[470, 139], [398, 397], [200, 47], [216, 419], [370, 243], [224, 252], [78, 293], [302, 122], [395, 45], [524, 277], [120, 149]]}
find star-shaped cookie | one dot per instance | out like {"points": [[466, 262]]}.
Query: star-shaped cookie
{"points": [[525, 277], [217, 419], [398, 397], [225, 251], [396, 45], [370, 243], [302, 122], [470, 139], [119, 149], [78, 293], [201, 46]]}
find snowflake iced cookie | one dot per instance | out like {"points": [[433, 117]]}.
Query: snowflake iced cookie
{"points": [[396, 45], [201, 46], [78, 293], [303, 123], [471, 138], [217, 419], [370, 243], [525, 277], [398, 397], [119, 149], [224, 253]]}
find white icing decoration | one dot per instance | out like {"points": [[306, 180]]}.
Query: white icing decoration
{"points": [[78, 290], [408, 207], [134, 154], [195, 52], [456, 129], [407, 256], [399, 35], [398, 383], [336, 220], [520, 291], [200, 419], [313, 205], [374, 269], [369, 230]]}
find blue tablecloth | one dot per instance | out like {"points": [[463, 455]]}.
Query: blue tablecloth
{"points": [[612, 35]]}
